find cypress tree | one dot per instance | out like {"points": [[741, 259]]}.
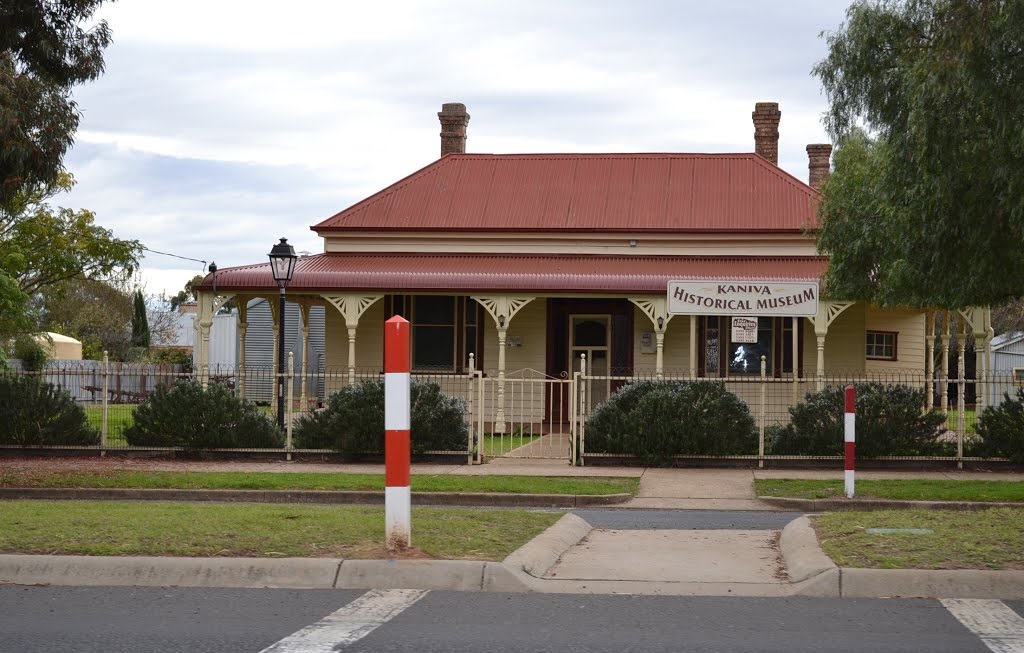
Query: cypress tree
{"points": [[140, 323]]}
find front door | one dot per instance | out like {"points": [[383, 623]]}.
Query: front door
{"points": [[600, 328], [589, 336]]}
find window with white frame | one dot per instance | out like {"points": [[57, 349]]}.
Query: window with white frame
{"points": [[881, 345]]}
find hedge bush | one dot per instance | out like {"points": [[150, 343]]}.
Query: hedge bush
{"points": [[188, 416], [353, 421], [656, 420], [891, 421], [32, 354], [35, 413], [1000, 429]]}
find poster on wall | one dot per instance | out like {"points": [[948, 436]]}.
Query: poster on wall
{"points": [[744, 329]]}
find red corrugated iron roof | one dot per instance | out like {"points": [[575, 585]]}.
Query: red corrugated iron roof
{"points": [[588, 192], [511, 273]]}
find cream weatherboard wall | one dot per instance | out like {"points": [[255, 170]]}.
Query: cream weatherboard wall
{"points": [[909, 327], [369, 339], [529, 329], [677, 346]]}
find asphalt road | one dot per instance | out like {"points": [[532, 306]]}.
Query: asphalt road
{"points": [[172, 620], [177, 620]]}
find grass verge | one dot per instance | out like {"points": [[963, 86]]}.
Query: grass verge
{"points": [[985, 539], [254, 530], [33, 478], [902, 489]]}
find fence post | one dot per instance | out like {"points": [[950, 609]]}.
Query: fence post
{"points": [[474, 437], [397, 496], [103, 412], [481, 416], [290, 406], [961, 401], [850, 440], [584, 380], [760, 418], [575, 428]]}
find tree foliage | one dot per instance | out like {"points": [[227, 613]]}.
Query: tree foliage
{"points": [[44, 52], [16, 314], [44, 246], [97, 313], [188, 293], [926, 205]]}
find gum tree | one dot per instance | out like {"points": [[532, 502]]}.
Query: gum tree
{"points": [[925, 206]]}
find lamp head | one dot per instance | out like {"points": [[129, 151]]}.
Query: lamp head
{"points": [[282, 262]]}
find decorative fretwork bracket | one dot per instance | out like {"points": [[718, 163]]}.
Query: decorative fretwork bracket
{"points": [[503, 308], [352, 307], [655, 309]]}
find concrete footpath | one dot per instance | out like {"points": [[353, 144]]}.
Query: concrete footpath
{"points": [[570, 557]]}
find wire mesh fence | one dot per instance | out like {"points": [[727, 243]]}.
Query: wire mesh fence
{"points": [[520, 414], [771, 400]]}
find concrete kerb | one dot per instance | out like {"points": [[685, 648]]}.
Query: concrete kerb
{"points": [[814, 574], [519, 572], [538, 555], [288, 573], [331, 497]]}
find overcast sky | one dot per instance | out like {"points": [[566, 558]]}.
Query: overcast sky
{"points": [[221, 126]]}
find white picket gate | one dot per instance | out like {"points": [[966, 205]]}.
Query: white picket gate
{"points": [[525, 415]]}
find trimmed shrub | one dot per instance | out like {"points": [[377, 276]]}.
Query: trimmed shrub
{"points": [[353, 421], [658, 420], [188, 416], [35, 413], [1000, 429], [891, 421], [608, 427]]}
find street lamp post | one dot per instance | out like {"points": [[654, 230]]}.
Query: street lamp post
{"points": [[282, 264]]}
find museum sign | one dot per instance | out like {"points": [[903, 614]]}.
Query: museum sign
{"points": [[737, 297]]}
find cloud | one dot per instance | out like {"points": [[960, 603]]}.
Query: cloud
{"points": [[220, 127]]}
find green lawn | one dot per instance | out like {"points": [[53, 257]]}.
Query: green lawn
{"points": [[901, 489], [115, 528], [983, 539], [953, 418], [119, 418], [496, 445], [28, 477]]}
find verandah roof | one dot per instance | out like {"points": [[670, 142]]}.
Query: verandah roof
{"points": [[522, 273]]}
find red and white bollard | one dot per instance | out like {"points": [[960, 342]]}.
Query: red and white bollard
{"points": [[849, 436], [397, 496]]}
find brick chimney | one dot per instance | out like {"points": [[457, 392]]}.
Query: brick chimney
{"points": [[766, 130], [818, 164], [454, 121]]}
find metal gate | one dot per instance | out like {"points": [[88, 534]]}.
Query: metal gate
{"points": [[526, 414]]}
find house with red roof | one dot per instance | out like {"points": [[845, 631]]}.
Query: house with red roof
{"points": [[653, 265]]}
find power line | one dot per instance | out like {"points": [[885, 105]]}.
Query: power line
{"points": [[175, 256]]}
